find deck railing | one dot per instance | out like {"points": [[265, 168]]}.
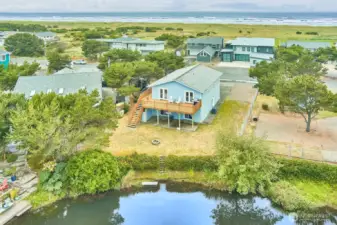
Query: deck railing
{"points": [[186, 108]]}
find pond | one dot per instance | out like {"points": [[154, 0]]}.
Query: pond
{"points": [[170, 204]]}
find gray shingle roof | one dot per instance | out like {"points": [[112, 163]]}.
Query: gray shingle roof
{"points": [[209, 50], [270, 42], [197, 77], [208, 40], [2, 52], [71, 83], [307, 44], [46, 34], [80, 69]]}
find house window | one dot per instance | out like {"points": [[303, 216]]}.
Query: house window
{"points": [[188, 116], [248, 49], [254, 61], [3, 57], [189, 95], [234, 48], [267, 49], [253, 49], [243, 49], [163, 93]]}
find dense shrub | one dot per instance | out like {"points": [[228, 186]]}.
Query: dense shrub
{"points": [[53, 179], [245, 163], [169, 28], [92, 171], [303, 169], [287, 196], [265, 106], [22, 27], [298, 32], [180, 29], [138, 162], [172, 40], [185, 163], [311, 33], [152, 29], [11, 158]]}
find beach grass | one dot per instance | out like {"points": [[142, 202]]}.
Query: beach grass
{"points": [[229, 31]]}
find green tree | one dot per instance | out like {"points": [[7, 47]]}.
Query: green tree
{"points": [[9, 77], [290, 54], [128, 90], [306, 65], [57, 61], [147, 70], [56, 46], [165, 60], [118, 55], [92, 171], [52, 126], [246, 164], [305, 95], [172, 41], [24, 44], [8, 104], [118, 74], [93, 48]]}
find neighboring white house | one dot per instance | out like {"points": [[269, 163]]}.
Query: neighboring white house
{"points": [[46, 36], [143, 46], [2, 38]]}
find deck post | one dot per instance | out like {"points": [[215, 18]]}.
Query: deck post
{"points": [[157, 117], [168, 120], [179, 120], [192, 121]]}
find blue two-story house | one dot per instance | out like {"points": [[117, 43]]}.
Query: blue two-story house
{"points": [[188, 94], [5, 58]]}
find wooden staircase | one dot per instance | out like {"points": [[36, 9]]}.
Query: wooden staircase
{"points": [[136, 112]]}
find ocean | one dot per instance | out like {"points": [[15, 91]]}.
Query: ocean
{"points": [[265, 18]]}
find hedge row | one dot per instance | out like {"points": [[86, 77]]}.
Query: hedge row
{"points": [[307, 170], [196, 163], [291, 168]]}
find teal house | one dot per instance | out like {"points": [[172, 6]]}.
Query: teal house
{"points": [[5, 58], [200, 46], [185, 95], [206, 54], [252, 50]]}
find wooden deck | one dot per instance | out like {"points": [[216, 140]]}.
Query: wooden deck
{"points": [[185, 108], [16, 210]]}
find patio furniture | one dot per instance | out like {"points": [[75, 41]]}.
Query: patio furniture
{"points": [[4, 185]]}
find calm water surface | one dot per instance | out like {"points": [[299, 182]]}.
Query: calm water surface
{"points": [[171, 204]]}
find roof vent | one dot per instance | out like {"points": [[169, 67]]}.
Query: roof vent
{"points": [[61, 90]]}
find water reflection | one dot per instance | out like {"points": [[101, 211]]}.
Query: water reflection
{"points": [[171, 204]]}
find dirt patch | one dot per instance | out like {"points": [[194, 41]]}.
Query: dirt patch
{"points": [[291, 129]]}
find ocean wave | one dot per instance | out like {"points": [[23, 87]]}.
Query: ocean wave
{"points": [[260, 20]]}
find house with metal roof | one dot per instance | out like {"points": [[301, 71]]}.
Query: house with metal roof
{"points": [[188, 94], [309, 45], [253, 50], [61, 84], [195, 45], [47, 36], [135, 44], [5, 58]]}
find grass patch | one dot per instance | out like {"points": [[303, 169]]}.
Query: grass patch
{"points": [[320, 193], [326, 114], [42, 198], [207, 179]]}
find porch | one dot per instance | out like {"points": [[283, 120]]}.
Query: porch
{"points": [[172, 123]]}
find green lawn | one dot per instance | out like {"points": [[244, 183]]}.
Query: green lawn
{"points": [[320, 193]]}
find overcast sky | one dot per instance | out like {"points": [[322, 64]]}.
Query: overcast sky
{"points": [[167, 5]]}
